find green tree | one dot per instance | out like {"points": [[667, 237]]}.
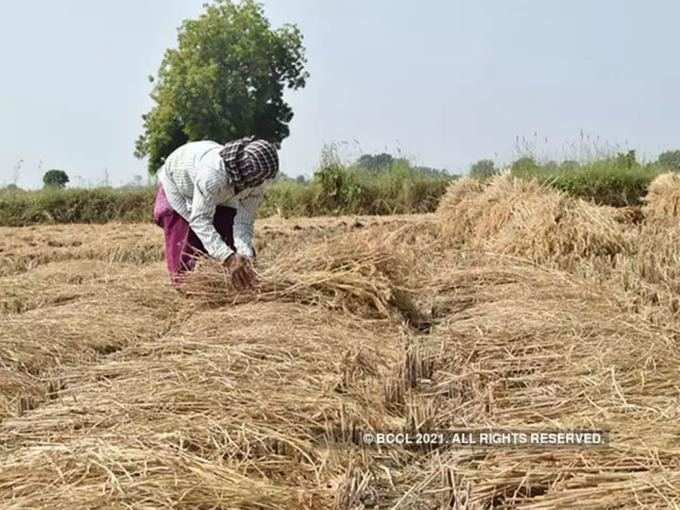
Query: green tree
{"points": [[627, 159], [569, 164], [524, 164], [483, 169], [669, 159], [375, 162], [551, 166], [55, 179], [225, 80]]}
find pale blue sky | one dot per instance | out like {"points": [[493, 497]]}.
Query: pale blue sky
{"points": [[447, 82]]}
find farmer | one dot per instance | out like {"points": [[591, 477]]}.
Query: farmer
{"points": [[206, 204]]}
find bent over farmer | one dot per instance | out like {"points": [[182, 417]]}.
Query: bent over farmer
{"points": [[206, 204]]}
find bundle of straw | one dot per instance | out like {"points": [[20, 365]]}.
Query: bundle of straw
{"points": [[355, 273], [651, 275], [663, 198], [524, 218]]}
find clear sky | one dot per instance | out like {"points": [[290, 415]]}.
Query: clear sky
{"points": [[446, 82]]}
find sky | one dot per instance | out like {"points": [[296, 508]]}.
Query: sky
{"points": [[443, 82]]}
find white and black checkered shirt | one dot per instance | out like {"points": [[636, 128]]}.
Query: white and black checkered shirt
{"points": [[195, 182]]}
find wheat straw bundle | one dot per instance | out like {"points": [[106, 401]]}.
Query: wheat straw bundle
{"points": [[651, 275], [663, 198], [355, 273], [524, 218], [458, 192]]}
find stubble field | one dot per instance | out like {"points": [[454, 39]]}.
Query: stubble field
{"points": [[511, 307]]}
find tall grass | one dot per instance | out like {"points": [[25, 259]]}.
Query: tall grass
{"points": [[335, 189], [610, 181], [338, 188], [52, 205]]}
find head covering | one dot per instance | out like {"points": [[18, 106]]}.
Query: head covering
{"points": [[249, 162]]}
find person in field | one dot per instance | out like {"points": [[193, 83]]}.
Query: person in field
{"points": [[206, 204]]}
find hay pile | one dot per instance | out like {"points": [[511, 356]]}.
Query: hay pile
{"points": [[663, 198], [651, 275], [517, 217], [648, 271], [356, 273]]}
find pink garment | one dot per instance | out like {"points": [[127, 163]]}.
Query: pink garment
{"points": [[182, 246]]}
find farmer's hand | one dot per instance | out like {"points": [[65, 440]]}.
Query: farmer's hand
{"points": [[241, 269]]}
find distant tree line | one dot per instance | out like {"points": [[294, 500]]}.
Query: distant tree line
{"points": [[485, 168]]}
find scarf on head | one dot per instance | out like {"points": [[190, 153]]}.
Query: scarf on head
{"points": [[249, 162]]}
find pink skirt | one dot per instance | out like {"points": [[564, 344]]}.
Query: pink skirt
{"points": [[182, 246]]}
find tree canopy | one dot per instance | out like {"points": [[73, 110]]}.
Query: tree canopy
{"points": [[524, 164], [381, 161], [483, 168], [55, 179], [670, 159], [224, 81]]}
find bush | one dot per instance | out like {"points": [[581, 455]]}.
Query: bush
{"points": [[670, 160], [523, 165], [483, 169], [618, 181], [54, 205], [334, 190]]}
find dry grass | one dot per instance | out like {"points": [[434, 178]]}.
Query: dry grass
{"points": [[513, 216], [261, 401], [663, 198], [120, 474], [358, 273], [71, 324], [526, 347], [24, 249], [60, 283]]}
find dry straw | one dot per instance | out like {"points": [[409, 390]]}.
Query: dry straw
{"points": [[69, 323], [524, 218], [525, 346], [255, 392], [663, 198], [132, 395], [356, 273]]}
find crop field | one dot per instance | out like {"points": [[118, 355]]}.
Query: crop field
{"points": [[514, 306]]}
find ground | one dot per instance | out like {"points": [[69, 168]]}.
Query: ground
{"points": [[119, 392]]}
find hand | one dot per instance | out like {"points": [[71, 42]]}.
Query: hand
{"points": [[242, 274]]}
